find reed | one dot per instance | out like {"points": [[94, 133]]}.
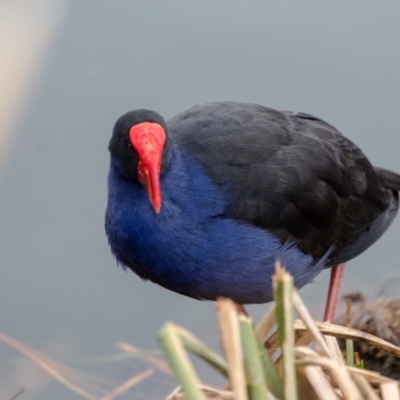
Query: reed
{"points": [[283, 358]]}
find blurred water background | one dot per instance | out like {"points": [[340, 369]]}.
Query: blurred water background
{"points": [[68, 69]]}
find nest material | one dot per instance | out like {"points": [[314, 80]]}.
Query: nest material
{"points": [[379, 317]]}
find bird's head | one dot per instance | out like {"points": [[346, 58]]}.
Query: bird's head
{"points": [[141, 143]]}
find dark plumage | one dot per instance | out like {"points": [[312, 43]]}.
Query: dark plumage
{"points": [[243, 185]]}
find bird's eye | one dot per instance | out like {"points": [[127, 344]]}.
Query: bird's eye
{"points": [[130, 147]]}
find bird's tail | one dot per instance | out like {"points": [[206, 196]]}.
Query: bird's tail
{"points": [[391, 179]]}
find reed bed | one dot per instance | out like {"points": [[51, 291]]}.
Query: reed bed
{"points": [[281, 358]]}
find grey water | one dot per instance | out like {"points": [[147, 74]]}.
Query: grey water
{"points": [[60, 289]]}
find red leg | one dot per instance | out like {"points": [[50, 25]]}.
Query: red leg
{"points": [[333, 292], [241, 309]]}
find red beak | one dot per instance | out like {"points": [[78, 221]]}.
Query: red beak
{"points": [[148, 139], [149, 177]]}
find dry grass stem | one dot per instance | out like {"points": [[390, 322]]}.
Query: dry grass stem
{"points": [[155, 362], [319, 382], [267, 323], [348, 333], [128, 384], [390, 391], [310, 324], [230, 341]]}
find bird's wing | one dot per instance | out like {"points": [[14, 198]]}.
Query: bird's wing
{"points": [[289, 173], [372, 227]]}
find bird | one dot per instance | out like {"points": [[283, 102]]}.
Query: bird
{"points": [[206, 203]]}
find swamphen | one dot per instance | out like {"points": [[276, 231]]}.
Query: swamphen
{"points": [[205, 203]]}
